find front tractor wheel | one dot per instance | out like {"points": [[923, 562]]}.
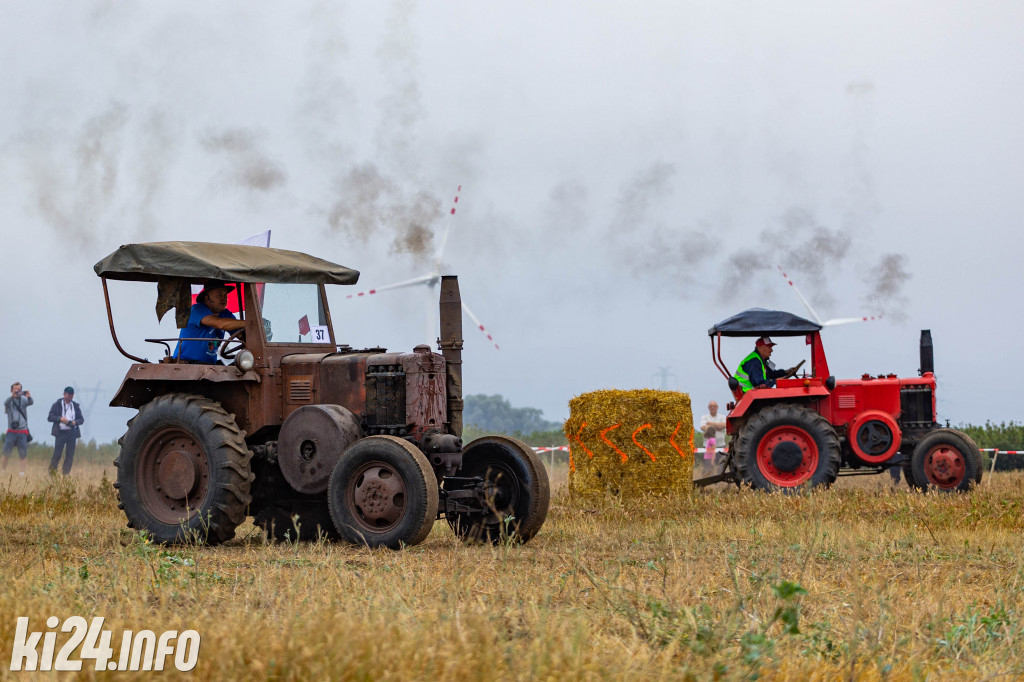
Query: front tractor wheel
{"points": [[516, 491], [183, 471], [945, 460], [383, 493], [784, 447]]}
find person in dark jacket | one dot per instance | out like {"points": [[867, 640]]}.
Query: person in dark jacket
{"points": [[755, 371], [66, 416]]}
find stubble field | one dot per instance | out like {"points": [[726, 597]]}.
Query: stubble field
{"points": [[864, 581]]}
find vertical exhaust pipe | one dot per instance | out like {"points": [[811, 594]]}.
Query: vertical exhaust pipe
{"points": [[927, 353], [450, 345]]}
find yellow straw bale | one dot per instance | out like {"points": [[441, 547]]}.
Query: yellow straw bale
{"points": [[630, 443]]}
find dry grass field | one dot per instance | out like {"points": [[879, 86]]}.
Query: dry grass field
{"points": [[864, 581]]}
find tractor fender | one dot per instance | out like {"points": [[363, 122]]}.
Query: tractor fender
{"points": [[758, 397], [147, 381]]}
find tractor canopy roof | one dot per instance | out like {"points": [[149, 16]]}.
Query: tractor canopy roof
{"points": [[198, 261], [761, 322]]}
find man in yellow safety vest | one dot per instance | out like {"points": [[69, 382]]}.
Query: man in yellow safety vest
{"points": [[755, 370]]}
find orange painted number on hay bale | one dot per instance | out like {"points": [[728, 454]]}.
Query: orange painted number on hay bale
{"points": [[579, 439], [649, 453], [672, 441], [611, 444]]}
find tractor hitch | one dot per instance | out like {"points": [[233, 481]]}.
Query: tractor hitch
{"points": [[468, 489]]}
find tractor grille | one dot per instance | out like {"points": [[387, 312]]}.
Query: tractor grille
{"points": [[385, 396], [916, 407], [300, 390]]}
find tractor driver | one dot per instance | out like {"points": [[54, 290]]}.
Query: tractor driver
{"points": [[755, 371], [209, 319]]}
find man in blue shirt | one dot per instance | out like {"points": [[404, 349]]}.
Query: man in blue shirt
{"points": [[209, 319]]}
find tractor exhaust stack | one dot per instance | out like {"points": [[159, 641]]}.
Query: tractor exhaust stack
{"points": [[927, 353], [450, 345]]}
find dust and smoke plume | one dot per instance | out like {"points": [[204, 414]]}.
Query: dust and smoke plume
{"points": [[74, 181], [401, 109], [383, 198], [157, 150], [886, 280], [566, 209], [325, 100], [648, 244], [368, 203], [639, 199], [800, 243], [248, 166], [860, 205]]}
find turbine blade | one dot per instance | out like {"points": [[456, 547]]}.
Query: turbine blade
{"points": [[473, 317], [444, 234], [850, 320], [425, 279], [803, 300]]}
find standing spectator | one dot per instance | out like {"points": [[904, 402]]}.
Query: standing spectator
{"points": [[894, 471], [66, 416], [710, 448], [16, 408], [712, 426], [713, 419]]}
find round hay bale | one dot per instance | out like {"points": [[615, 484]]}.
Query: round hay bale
{"points": [[630, 443]]}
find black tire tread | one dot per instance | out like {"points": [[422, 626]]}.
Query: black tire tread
{"points": [[427, 488], [780, 413], [539, 497], [231, 498], [967, 447]]}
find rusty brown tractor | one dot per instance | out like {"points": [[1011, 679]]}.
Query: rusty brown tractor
{"points": [[313, 438]]}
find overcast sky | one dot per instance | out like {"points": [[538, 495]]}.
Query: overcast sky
{"points": [[631, 174]]}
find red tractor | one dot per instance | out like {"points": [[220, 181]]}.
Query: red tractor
{"points": [[810, 429]]}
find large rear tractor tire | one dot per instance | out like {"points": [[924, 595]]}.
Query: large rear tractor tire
{"points": [[946, 460], [517, 491], [183, 472], [383, 493], [785, 447]]}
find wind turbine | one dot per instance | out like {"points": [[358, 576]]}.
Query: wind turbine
{"points": [[431, 280], [664, 373], [814, 315]]}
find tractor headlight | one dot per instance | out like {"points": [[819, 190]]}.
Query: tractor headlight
{"points": [[245, 360]]}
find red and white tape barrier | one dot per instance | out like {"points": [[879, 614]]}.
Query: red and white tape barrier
{"points": [[565, 448]]}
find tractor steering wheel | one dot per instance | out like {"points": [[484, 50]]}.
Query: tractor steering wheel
{"points": [[792, 371], [237, 337]]}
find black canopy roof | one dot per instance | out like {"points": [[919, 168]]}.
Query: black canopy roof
{"points": [[761, 322], [198, 261]]}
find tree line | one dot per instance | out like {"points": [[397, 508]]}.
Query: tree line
{"points": [[1003, 436]]}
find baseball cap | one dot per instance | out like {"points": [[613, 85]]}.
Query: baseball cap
{"points": [[764, 341], [69, 389]]}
